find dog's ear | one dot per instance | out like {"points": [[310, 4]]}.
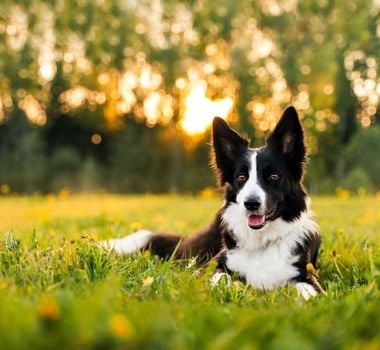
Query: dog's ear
{"points": [[227, 144], [288, 138]]}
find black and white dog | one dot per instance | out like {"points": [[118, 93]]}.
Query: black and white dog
{"points": [[265, 231]]}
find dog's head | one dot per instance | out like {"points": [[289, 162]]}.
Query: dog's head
{"points": [[265, 183]]}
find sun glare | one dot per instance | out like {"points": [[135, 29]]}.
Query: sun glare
{"points": [[199, 110]]}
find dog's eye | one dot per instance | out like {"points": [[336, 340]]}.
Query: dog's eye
{"points": [[242, 178], [274, 177]]}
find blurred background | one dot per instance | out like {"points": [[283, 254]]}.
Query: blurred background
{"points": [[118, 96]]}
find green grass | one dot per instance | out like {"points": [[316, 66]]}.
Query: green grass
{"points": [[58, 290]]}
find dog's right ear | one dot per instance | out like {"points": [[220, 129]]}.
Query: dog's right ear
{"points": [[227, 145]]}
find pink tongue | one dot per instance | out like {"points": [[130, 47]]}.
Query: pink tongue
{"points": [[255, 220]]}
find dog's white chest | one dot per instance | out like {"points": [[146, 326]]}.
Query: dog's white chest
{"points": [[266, 269]]}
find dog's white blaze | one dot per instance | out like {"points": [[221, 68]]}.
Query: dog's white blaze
{"points": [[252, 187], [130, 243]]}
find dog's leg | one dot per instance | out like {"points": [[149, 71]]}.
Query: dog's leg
{"points": [[222, 271]]}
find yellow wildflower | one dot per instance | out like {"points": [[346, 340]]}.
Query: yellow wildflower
{"points": [[120, 326], [340, 231], [160, 220], [207, 193], [148, 281], [5, 189], [64, 193], [310, 268], [135, 226], [342, 193], [3, 284], [50, 196], [48, 308]]}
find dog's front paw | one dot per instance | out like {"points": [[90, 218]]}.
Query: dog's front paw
{"points": [[218, 277], [306, 290]]}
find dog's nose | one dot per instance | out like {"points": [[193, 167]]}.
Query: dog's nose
{"points": [[253, 203]]}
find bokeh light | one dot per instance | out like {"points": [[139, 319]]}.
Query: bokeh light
{"points": [[199, 110]]}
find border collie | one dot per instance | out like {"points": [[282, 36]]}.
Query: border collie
{"points": [[265, 231]]}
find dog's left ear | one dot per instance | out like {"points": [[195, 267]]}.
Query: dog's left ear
{"points": [[227, 145], [287, 137]]}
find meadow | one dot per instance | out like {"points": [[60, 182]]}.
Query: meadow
{"points": [[58, 290]]}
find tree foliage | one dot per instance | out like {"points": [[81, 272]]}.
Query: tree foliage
{"points": [[94, 94]]}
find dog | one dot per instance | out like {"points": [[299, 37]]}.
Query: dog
{"points": [[265, 231]]}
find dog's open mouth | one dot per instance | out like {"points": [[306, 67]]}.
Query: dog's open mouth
{"points": [[256, 222]]}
